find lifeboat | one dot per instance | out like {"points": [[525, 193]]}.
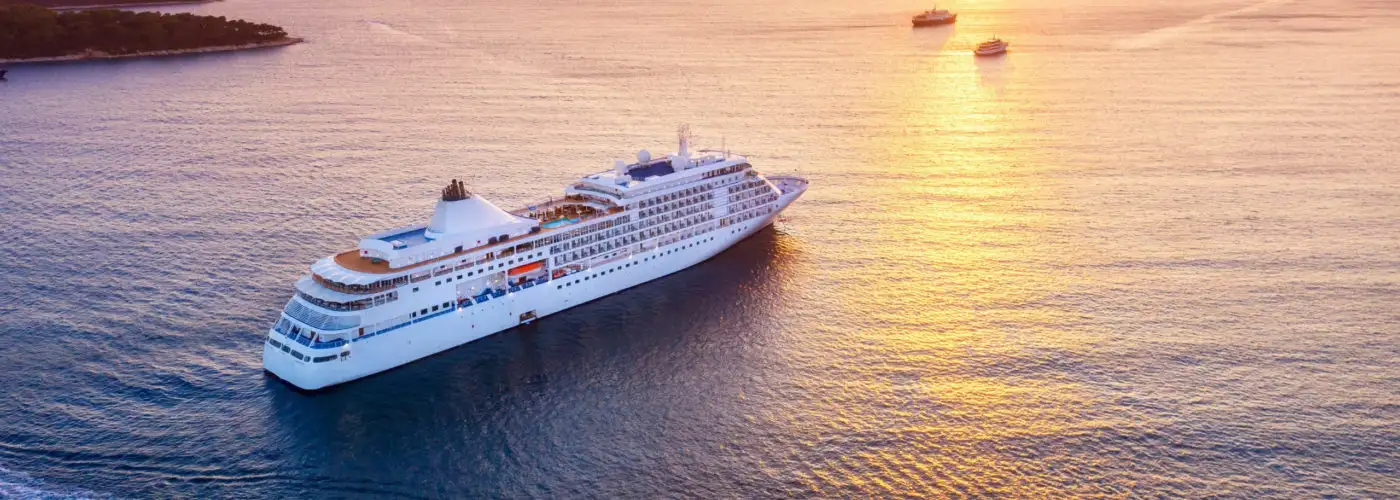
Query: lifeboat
{"points": [[525, 268]]}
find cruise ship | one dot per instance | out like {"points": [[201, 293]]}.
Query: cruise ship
{"points": [[475, 269]]}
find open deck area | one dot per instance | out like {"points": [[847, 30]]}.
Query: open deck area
{"points": [[557, 210]]}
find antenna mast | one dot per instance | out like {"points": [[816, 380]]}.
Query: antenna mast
{"points": [[684, 134]]}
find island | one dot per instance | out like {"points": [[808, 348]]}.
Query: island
{"points": [[103, 4], [32, 33]]}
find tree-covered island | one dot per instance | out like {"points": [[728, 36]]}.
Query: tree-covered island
{"points": [[34, 33]]}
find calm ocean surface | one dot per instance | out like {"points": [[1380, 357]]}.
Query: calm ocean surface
{"points": [[1153, 251]]}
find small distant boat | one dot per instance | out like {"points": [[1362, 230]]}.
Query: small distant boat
{"points": [[3, 72], [935, 17], [991, 47]]}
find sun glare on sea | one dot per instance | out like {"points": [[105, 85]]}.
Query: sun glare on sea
{"points": [[955, 286]]}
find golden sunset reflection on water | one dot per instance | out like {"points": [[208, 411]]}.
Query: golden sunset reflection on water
{"points": [[953, 263]]}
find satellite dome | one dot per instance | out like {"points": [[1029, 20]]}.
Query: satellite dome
{"points": [[643, 156]]}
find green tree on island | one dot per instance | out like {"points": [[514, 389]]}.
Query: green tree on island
{"points": [[28, 31]]}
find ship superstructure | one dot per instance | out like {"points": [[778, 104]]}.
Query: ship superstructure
{"points": [[475, 269]]}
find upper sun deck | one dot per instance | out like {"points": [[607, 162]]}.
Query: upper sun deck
{"points": [[648, 175]]}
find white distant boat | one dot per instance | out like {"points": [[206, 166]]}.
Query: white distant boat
{"points": [[991, 47], [474, 269], [935, 17]]}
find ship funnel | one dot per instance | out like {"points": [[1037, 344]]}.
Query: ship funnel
{"points": [[459, 212], [455, 191]]}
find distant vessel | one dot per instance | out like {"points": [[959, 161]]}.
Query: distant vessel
{"points": [[935, 17], [991, 47], [474, 269]]}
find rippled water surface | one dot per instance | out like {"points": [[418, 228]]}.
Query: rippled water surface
{"points": [[1154, 250]]}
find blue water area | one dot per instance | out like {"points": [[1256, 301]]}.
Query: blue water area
{"points": [[409, 238], [558, 223], [1146, 253]]}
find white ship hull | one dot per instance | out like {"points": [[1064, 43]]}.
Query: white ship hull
{"points": [[460, 325]]}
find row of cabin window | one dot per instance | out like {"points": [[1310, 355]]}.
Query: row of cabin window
{"points": [[286, 326], [752, 203], [749, 193], [633, 238], [745, 185], [377, 286], [424, 312], [297, 354], [676, 200], [726, 170], [492, 266], [700, 198], [488, 268], [587, 229], [571, 234], [748, 215], [573, 237], [662, 187], [703, 188], [357, 305], [584, 240], [629, 264], [660, 219]]}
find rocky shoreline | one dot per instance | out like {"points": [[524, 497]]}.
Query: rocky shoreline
{"points": [[134, 5], [93, 55]]}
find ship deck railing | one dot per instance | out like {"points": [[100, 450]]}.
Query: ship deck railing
{"points": [[543, 206]]}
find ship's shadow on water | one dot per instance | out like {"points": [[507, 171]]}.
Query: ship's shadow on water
{"points": [[566, 367], [994, 72], [932, 38]]}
